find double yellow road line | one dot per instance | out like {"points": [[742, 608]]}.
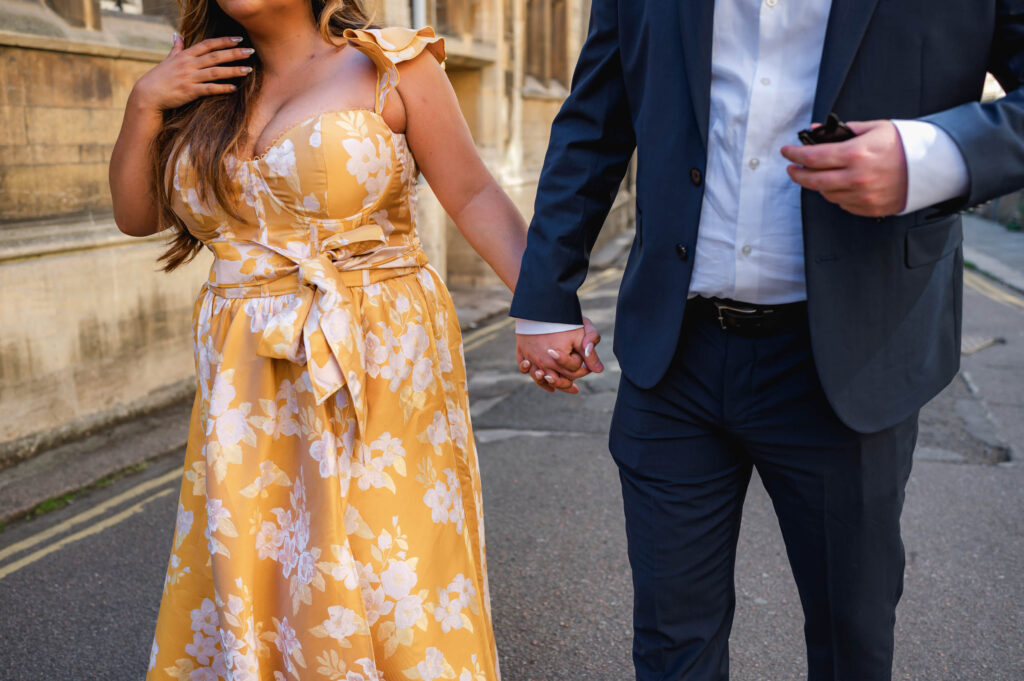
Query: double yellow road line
{"points": [[84, 517], [985, 287]]}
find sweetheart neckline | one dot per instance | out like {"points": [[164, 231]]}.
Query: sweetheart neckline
{"points": [[297, 124]]}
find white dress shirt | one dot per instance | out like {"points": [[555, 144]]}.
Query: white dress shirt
{"points": [[764, 71]]}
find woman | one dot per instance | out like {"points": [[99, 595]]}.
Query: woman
{"points": [[330, 521]]}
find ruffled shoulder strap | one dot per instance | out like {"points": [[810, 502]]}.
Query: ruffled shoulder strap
{"points": [[388, 47]]}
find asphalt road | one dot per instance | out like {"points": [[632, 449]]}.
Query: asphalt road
{"points": [[81, 601]]}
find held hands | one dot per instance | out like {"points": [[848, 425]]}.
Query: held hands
{"points": [[187, 74], [866, 175], [555, 360]]}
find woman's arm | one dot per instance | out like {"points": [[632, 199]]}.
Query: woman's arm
{"points": [[132, 185], [180, 78], [443, 147]]}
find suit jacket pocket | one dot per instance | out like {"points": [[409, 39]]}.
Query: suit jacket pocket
{"points": [[933, 240]]}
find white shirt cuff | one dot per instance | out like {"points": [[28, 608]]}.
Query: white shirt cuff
{"points": [[936, 169], [527, 327]]}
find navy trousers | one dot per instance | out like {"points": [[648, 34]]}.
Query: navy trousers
{"points": [[685, 451]]}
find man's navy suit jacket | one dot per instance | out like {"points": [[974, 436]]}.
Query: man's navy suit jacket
{"points": [[884, 296]]}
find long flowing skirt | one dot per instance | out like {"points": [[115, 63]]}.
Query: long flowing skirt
{"points": [[304, 549]]}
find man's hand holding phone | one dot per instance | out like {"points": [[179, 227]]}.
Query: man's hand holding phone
{"points": [[859, 166]]}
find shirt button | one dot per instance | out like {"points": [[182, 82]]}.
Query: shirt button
{"points": [[771, 3], [695, 177], [766, 81], [746, 249], [754, 163], [682, 252]]}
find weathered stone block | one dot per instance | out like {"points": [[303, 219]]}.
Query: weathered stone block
{"points": [[13, 88], [12, 125], [432, 227], [39, 154], [95, 153], [466, 83], [537, 116], [89, 331], [41, 191], [61, 79], [123, 76], [72, 125]]}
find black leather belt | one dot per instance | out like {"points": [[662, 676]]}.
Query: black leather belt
{"points": [[747, 319]]}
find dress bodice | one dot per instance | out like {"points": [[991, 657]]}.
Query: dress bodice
{"points": [[330, 205], [338, 182]]}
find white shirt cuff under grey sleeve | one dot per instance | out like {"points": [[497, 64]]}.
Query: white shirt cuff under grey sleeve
{"points": [[936, 169], [527, 327]]}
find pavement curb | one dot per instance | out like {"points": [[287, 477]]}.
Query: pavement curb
{"points": [[79, 463], [994, 269], [994, 251]]}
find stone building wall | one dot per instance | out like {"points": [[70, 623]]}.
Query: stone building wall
{"points": [[60, 110], [89, 330]]}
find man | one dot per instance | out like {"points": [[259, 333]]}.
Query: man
{"points": [[792, 317]]}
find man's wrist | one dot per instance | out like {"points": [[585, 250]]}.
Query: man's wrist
{"points": [[528, 327], [936, 169]]}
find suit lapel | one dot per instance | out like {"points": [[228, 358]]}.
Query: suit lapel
{"points": [[696, 19], [847, 22]]}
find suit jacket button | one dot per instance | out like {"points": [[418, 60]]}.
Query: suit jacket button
{"points": [[682, 252], [696, 177]]}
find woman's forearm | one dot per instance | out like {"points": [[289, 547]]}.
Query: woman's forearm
{"points": [[495, 229], [132, 185]]}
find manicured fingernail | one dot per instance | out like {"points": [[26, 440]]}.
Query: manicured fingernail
{"points": [[247, 69], [589, 349], [524, 365], [554, 353], [539, 374], [248, 50], [237, 38], [549, 379]]}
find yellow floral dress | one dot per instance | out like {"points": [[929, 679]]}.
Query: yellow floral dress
{"points": [[329, 523]]}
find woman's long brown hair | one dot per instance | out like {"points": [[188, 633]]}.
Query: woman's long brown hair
{"points": [[214, 126]]}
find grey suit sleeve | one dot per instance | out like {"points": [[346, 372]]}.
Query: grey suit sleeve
{"points": [[592, 141], [991, 136]]}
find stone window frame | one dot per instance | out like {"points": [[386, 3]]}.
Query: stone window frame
{"points": [[418, 13], [88, 14], [133, 7]]}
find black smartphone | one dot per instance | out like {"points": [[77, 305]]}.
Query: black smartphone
{"points": [[833, 130]]}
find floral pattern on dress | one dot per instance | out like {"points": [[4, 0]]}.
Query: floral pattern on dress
{"points": [[329, 521]]}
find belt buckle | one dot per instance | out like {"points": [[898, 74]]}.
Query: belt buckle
{"points": [[723, 308]]}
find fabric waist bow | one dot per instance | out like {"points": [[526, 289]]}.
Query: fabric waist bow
{"points": [[322, 326]]}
